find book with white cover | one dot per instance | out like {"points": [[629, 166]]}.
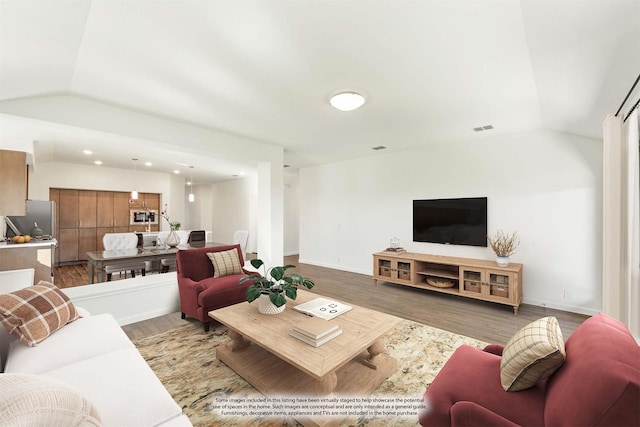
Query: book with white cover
{"points": [[316, 343], [315, 327], [324, 308]]}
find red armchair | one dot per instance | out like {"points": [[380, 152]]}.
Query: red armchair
{"points": [[200, 292], [598, 385]]}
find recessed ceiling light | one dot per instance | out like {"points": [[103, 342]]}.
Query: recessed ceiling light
{"points": [[148, 163], [176, 171], [98, 162], [347, 101], [87, 152]]}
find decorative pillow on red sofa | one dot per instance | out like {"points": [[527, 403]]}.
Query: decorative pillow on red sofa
{"points": [[532, 354], [225, 263]]}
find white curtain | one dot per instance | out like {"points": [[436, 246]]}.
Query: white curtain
{"points": [[621, 221], [632, 126]]}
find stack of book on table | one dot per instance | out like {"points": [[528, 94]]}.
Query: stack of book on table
{"points": [[315, 331]]}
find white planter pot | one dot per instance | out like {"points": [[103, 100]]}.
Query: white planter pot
{"points": [[503, 261], [265, 306]]}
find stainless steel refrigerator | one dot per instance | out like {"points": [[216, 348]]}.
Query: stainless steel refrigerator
{"points": [[41, 212]]}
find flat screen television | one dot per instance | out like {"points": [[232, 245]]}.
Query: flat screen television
{"points": [[451, 221]]}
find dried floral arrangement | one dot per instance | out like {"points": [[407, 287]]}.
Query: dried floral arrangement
{"points": [[504, 244], [175, 225]]}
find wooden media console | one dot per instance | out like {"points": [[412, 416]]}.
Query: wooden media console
{"points": [[467, 277]]}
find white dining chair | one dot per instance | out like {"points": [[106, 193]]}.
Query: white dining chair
{"points": [[118, 241], [241, 237]]}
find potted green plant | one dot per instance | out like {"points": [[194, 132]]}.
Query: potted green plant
{"points": [[504, 245], [273, 286]]}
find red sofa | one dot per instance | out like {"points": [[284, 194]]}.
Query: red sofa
{"points": [[598, 385], [200, 292]]}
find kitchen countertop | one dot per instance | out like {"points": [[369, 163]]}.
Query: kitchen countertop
{"points": [[32, 244]]}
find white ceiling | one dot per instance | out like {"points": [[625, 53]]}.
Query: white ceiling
{"points": [[431, 71]]}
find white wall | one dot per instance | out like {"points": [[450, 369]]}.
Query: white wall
{"points": [[198, 212], [231, 205], [291, 214], [66, 175], [234, 206], [545, 185]]}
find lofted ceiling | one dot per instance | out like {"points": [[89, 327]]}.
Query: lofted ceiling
{"points": [[431, 71]]}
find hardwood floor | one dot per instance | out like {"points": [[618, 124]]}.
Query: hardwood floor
{"points": [[68, 276], [485, 321]]}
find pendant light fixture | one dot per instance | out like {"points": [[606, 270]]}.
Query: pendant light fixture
{"points": [[134, 193], [192, 196]]}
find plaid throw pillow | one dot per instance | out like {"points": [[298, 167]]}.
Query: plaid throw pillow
{"points": [[532, 354], [32, 314], [225, 263]]}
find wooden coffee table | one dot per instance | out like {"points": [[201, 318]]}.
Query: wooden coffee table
{"points": [[263, 353]]}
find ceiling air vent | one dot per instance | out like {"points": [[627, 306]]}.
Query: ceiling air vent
{"points": [[481, 128], [379, 147]]}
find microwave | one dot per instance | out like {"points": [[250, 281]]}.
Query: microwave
{"points": [[138, 217]]}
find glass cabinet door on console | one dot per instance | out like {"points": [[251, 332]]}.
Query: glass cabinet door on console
{"points": [[393, 270], [492, 285]]}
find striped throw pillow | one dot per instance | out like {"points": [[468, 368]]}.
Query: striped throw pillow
{"points": [[225, 263], [532, 354], [32, 314]]}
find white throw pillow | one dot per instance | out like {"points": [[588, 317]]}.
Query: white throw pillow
{"points": [[32, 400]]}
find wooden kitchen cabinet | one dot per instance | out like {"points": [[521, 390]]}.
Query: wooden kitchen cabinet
{"points": [[67, 245], [87, 242], [104, 209], [121, 209], [85, 216], [150, 201], [87, 209], [113, 214], [68, 209], [14, 175]]}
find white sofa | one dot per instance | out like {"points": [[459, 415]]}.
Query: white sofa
{"points": [[95, 357]]}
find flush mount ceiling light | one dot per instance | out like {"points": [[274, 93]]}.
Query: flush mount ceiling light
{"points": [[347, 101]]}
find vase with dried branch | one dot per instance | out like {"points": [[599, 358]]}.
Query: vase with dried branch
{"points": [[504, 245]]}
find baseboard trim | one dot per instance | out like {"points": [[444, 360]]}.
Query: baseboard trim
{"points": [[335, 267], [570, 308]]}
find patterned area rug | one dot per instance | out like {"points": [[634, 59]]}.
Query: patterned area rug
{"points": [[184, 358]]}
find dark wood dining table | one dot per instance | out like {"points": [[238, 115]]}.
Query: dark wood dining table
{"points": [[99, 259]]}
